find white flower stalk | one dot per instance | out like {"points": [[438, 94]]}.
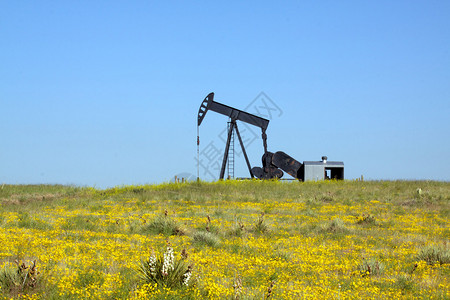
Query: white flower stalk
{"points": [[152, 264], [167, 262], [187, 275]]}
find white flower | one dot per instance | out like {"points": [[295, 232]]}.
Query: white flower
{"points": [[152, 264], [167, 262], [187, 276]]}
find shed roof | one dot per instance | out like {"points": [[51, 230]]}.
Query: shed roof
{"points": [[326, 164]]}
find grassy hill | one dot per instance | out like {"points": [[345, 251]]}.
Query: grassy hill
{"points": [[230, 240]]}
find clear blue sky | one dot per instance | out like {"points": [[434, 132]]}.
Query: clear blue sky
{"points": [[106, 93]]}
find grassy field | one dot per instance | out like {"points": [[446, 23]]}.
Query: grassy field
{"points": [[230, 240]]}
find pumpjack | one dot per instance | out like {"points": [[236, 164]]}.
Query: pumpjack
{"points": [[273, 163]]}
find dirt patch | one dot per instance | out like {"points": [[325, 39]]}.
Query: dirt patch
{"points": [[24, 199]]}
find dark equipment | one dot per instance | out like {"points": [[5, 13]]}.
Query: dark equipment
{"points": [[272, 162], [234, 115]]}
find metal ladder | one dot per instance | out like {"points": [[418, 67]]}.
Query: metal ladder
{"points": [[230, 165]]}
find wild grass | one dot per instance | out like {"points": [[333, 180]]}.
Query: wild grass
{"points": [[371, 267], [435, 254], [245, 239], [18, 278], [200, 238], [164, 225]]}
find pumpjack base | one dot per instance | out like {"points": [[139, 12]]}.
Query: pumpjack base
{"points": [[273, 173]]}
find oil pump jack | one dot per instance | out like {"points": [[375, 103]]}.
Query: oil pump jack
{"points": [[273, 163]]}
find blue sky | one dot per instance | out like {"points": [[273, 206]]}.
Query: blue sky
{"points": [[106, 93]]}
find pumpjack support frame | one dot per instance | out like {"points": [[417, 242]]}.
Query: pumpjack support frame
{"points": [[235, 115], [233, 126]]}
